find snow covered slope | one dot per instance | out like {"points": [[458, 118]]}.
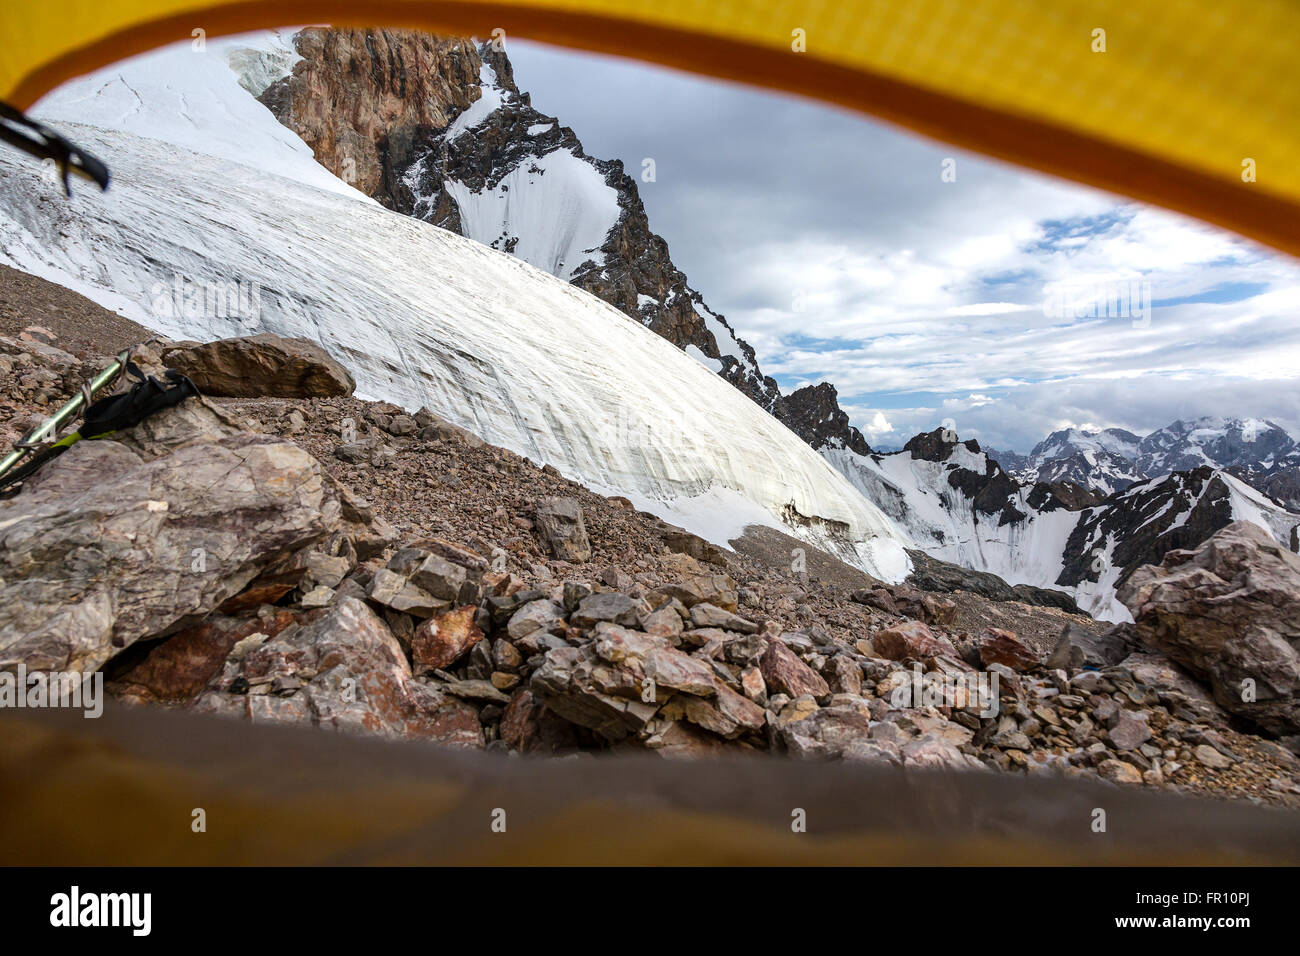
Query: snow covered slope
{"points": [[960, 507], [554, 213], [949, 523], [554, 209], [421, 316], [199, 100]]}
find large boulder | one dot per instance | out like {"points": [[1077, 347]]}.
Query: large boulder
{"points": [[997, 646], [116, 540], [1229, 612], [785, 673], [911, 640], [262, 366], [1078, 648]]}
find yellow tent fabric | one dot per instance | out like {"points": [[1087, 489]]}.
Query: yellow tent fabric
{"points": [[1189, 104]]}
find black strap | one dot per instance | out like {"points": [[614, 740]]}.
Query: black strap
{"points": [[133, 406], [43, 143]]}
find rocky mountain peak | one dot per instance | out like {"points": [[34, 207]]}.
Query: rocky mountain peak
{"points": [[937, 445], [358, 98], [813, 412]]}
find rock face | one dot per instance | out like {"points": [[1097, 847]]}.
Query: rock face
{"points": [[1229, 611], [262, 365], [118, 540], [359, 99], [992, 491]]}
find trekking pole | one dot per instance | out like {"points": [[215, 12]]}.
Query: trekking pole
{"points": [[52, 425]]}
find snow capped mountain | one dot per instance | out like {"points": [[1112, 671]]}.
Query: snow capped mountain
{"points": [[1218, 442], [422, 316], [1102, 460], [1259, 452], [1100, 470], [550, 207], [960, 506], [1074, 441]]}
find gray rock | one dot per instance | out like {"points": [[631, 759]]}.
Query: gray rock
{"points": [[402, 425], [1209, 757], [1078, 648], [827, 733], [707, 615], [610, 606], [541, 615], [319, 596], [582, 689], [1229, 612], [393, 590], [1129, 730], [563, 529], [477, 690], [119, 540]]}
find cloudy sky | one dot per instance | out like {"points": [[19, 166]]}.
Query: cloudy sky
{"points": [[834, 246]]}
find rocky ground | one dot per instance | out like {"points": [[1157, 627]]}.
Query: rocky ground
{"points": [[351, 565]]}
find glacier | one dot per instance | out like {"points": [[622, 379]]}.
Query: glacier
{"points": [[209, 188]]}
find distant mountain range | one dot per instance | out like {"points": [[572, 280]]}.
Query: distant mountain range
{"points": [[1257, 451]]}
